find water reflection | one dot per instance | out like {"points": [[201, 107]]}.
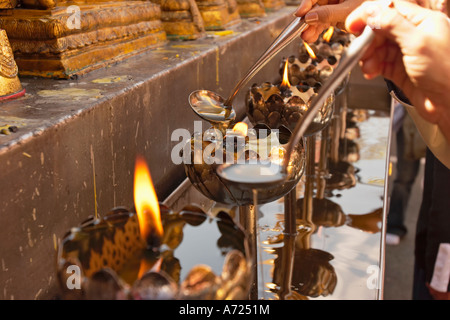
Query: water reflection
{"points": [[336, 240]]}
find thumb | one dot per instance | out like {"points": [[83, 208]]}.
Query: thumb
{"points": [[395, 24]]}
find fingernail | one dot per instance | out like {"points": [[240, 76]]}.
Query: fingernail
{"points": [[311, 18]]}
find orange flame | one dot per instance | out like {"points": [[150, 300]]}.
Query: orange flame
{"points": [[328, 34], [241, 128], [146, 202], [310, 51], [285, 83]]}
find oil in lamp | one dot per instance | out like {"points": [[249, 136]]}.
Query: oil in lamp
{"points": [[155, 253]]}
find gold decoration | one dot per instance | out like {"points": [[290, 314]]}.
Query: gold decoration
{"points": [[7, 4], [39, 4], [182, 19], [219, 14], [251, 8], [66, 42], [293, 2], [9, 82], [273, 5]]}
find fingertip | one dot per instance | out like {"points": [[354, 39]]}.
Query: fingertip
{"points": [[368, 76], [298, 12], [310, 35], [302, 9], [357, 27], [355, 24], [357, 20]]}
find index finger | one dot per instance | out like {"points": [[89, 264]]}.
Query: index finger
{"points": [[304, 7]]}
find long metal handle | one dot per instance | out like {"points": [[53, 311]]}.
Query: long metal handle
{"points": [[286, 36], [347, 62]]}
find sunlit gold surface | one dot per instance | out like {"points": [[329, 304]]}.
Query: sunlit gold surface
{"points": [[293, 2], [6, 4], [273, 5], [251, 8], [182, 19], [219, 14], [50, 43], [9, 82]]}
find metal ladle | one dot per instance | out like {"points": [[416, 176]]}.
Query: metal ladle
{"points": [[213, 108], [257, 176]]}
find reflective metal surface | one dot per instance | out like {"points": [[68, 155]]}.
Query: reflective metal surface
{"points": [[349, 59], [338, 246], [205, 178], [294, 29], [116, 263], [267, 104], [338, 251]]}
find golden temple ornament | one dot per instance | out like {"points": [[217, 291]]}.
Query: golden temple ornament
{"points": [[7, 4], [292, 2], [10, 86], [59, 40], [251, 8], [219, 14], [273, 5], [182, 19]]}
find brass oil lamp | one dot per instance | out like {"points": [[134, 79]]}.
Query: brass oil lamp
{"points": [[151, 252]]}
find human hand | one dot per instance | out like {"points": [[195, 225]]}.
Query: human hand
{"points": [[437, 295], [320, 14], [411, 49], [440, 5]]}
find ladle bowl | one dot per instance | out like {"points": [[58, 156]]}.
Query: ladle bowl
{"points": [[210, 107], [205, 177], [216, 107]]}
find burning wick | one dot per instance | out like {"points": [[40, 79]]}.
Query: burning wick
{"points": [[240, 128], [287, 91], [328, 34], [285, 85], [236, 139], [147, 205], [310, 51]]}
